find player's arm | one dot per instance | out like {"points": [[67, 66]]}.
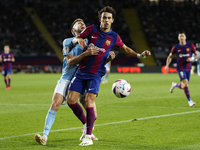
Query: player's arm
{"points": [[72, 60], [80, 41], [168, 61], [111, 57], [13, 58], [0, 58], [195, 57], [132, 53]]}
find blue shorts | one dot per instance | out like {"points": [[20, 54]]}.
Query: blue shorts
{"points": [[81, 85], [184, 75], [5, 72]]}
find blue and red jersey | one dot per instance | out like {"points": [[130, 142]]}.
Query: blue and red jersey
{"points": [[183, 52], [7, 60], [95, 64]]}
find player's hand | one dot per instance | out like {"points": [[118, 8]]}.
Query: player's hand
{"points": [[146, 53], [92, 50], [75, 41], [82, 43], [166, 68], [112, 55]]}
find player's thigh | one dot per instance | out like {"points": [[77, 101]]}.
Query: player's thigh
{"points": [[57, 101], [183, 75], [62, 87], [72, 97], [9, 72], [93, 85]]}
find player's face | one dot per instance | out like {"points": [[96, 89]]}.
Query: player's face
{"points": [[79, 26], [6, 49], [181, 37], [106, 20]]}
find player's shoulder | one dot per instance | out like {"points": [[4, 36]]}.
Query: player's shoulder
{"points": [[68, 40]]}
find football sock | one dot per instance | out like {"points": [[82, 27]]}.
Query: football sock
{"points": [[9, 80], [90, 120], [5, 81], [50, 118], [78, 111], [178, 85], [107, 75], [187, 93], [103, 78]]}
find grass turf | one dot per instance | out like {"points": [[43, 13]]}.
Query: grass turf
{"points": [[150, 118]]}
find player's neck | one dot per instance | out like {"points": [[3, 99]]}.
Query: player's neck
{"points": [[182, 42]]}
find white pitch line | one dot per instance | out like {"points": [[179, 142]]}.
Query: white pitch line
{"points": [[145, 118]]}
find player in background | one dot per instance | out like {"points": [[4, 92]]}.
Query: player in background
{"points": [[73, 54], [7, 58], [198, 60], [92, 68], [183, 51], [105, 77]]}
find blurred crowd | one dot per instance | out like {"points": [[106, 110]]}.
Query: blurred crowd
{"points": [[164, 19], [160, 20]]}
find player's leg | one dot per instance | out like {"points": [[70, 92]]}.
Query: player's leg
{"points": [[82, 100], [90, 117], [174, 84], [4, 73], [107, 73], [9, 80], [92, 89], [57, 99], [198, 68], [74, 105], [185, 85]]}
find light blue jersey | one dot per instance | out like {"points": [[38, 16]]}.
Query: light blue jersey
{"points": [[67, 71]]}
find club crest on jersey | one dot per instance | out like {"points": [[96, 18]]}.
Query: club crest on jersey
{"points": [[66, 49], [188, 49], [108, 42]]}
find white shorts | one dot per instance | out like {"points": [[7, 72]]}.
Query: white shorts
{"points": [[62, 87], [107, 68]]}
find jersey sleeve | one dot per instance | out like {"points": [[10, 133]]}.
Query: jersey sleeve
{"points": [[173, 50], [68, 46], [85, 33], [119, 42], [193, 48]]}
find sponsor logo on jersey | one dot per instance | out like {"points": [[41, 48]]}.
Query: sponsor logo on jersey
{"points": [[100, 49], [183, 55]]}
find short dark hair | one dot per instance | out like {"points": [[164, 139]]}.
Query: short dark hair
{"points": [[107, 9], [182, 31], [78, 19]]}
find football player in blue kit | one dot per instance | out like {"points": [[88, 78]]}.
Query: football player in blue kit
{"points": [[92, 68]]}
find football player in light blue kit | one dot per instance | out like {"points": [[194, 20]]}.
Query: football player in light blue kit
{"points": [[105, 77], [73, 54], [198, 60]]}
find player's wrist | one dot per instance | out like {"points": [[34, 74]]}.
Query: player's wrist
{"points": [[139, 56]]}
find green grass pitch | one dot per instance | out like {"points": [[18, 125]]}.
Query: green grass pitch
{"points": [[150, 118]]}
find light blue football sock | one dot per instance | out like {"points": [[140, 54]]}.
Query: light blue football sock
{"points": [[50, 118], [107, 75]]}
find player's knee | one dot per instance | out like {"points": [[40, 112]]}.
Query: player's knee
{"points": [[56, 102]]}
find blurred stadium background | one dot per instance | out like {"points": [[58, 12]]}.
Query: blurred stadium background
{"points": [[35, 29]]}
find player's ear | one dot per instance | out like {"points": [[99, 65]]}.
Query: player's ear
{"points": [[113, 20], [73, 29], [99, 19]]}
